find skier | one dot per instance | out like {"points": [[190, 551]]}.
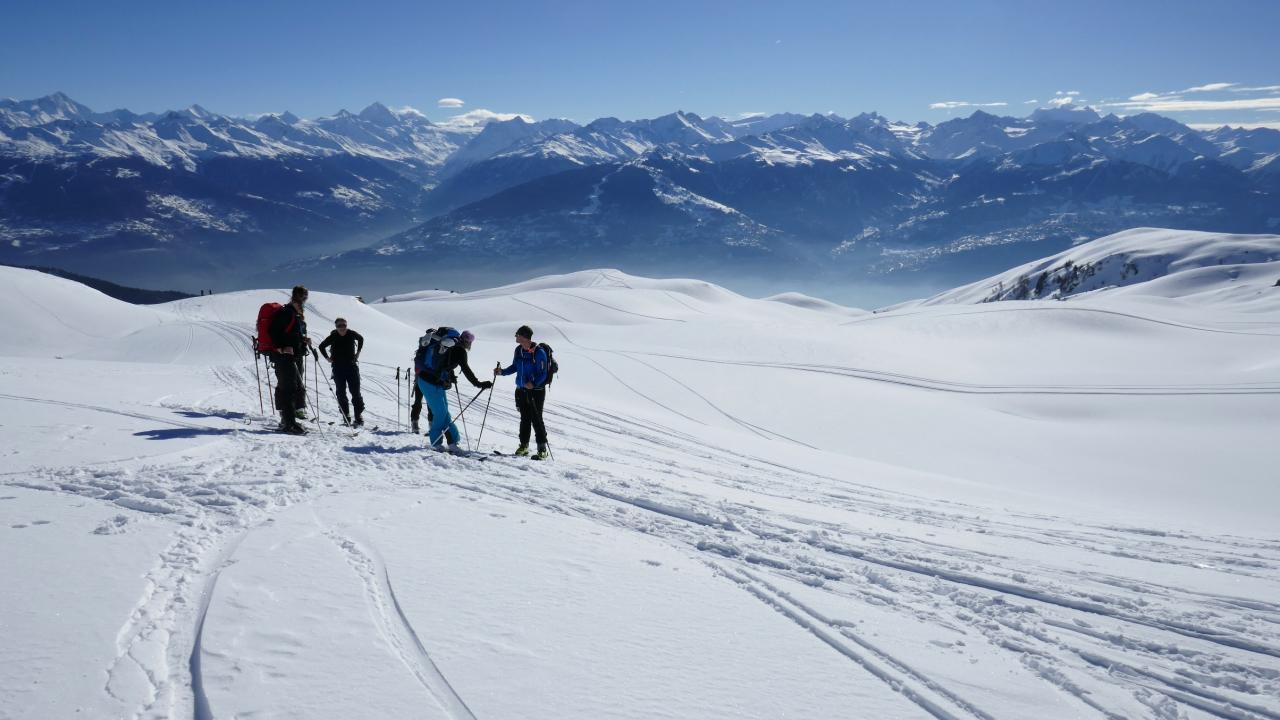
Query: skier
{"points": [[530, 365], [342, 350], [287, 334], [415, 411], [434, 367], [300, 359]]}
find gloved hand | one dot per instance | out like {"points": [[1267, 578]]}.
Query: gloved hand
{"points": [[486, 384]]}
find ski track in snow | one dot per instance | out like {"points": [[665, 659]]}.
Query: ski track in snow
{"points": [[1065, 308], [1213, 653], [395, 626]]}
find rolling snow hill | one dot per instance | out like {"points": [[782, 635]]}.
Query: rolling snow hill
{"points": [[756, 509], [1143, 261]]}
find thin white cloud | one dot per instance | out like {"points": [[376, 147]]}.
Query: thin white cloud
{"points": [[1061, 101], [954, 104], [478, 118], [745, 115], [1176, 104], [1031, 102], [1144, 97], [409, 110], [1211, 87], [1246, 125], [449, 103], [1262, 88]]}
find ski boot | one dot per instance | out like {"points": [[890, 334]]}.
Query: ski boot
{"points": [[359, 421], [289, 425], [522, 451], [300, 414], [415, 427], [542, 453]]}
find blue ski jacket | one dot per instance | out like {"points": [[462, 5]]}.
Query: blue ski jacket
{"points": [[529, 367]]}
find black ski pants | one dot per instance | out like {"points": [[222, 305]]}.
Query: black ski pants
{"points": [[347, 375], [416, 411], [300, 360], [529, 403], [289, 390]]}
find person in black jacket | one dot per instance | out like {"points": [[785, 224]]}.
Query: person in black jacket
{"points": [[342, 350], [287, 330], [433, 384]]}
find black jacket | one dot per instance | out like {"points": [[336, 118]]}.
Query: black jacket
{"points": [[455, 358], [342, 348], [288, 329]]}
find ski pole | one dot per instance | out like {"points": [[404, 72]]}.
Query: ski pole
{"points": [[453, 422], [315, 377], [485, 418], [257, 378], [477, 397], [466, 433], [271, 392], [399, 405]]}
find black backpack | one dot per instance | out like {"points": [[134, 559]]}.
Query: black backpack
{"points": [[552, 366]]}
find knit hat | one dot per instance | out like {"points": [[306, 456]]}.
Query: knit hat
{"points": [[525, 332], [467, 337]]}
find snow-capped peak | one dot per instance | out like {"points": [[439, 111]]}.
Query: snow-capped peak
{"points": [[379, 114], [199, 112]]}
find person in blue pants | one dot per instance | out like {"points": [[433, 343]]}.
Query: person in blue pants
{"points": [[434, 387]]}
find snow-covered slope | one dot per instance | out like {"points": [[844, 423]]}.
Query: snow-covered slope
{"points": [[1142, 261], [756, 509], [50, 316]]}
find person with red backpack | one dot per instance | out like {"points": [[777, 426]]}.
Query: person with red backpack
{"points": [[533, 368], [286, 331]]}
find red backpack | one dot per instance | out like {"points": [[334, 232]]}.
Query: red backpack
{"points": [[264, 327]]}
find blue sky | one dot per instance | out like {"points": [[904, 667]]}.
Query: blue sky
{"points": [[923, 60]]}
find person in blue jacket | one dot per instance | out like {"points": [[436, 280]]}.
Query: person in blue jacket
{"points": [[529, 363]]}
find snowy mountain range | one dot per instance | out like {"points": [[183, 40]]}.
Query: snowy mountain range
{"points": [[391, 198]]}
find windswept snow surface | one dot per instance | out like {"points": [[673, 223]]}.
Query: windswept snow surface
{"points": [[757, 509]]}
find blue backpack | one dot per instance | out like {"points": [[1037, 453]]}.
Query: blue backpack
{"points": [[429, 363]]}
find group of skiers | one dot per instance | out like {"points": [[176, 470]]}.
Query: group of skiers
{"points": [[282, 337]]}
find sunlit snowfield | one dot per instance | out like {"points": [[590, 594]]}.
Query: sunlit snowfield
{"points": [[757, 509]]}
